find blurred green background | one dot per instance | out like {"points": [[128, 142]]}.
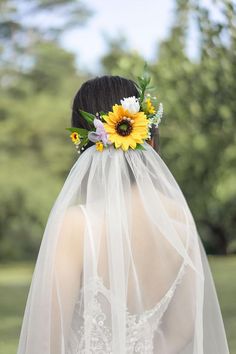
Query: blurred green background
{"points": [[38, 79]]}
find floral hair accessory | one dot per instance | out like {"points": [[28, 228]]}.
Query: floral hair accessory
{"points": [[128, 125]]}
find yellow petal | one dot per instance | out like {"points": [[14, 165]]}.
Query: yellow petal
{"points": [[133, 144], [117, 144], [108, 128], [125, 144]]}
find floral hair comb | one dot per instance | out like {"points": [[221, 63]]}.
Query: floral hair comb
{"points": [[128, 125]]}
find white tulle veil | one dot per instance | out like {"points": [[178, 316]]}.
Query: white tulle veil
{"points": [[121, 238]]}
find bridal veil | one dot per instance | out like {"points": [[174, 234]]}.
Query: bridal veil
{"points": [[121, 268]]}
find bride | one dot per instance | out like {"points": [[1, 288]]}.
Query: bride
{"points": [[121, 268]]}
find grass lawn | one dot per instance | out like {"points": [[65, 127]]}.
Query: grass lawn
{"points": [[14, 285], [224, 273]]}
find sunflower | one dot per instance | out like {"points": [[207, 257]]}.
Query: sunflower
{"points": [[99, 146], [75, 138], [126, 129]]}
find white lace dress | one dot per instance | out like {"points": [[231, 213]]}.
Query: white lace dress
{"points": [[140, 328]]}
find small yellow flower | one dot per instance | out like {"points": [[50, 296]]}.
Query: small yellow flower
{"points": [[149, 106], [75, 138], [99, 146]]}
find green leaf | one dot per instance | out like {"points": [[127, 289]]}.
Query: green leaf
{"points": [[89, 117], [143, 83], [140, 147], [80, 131], [83, 142]]}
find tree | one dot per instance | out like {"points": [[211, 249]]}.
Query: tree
{"points": [[38, 79], [198, 129]]}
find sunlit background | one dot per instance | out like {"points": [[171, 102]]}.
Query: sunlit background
{"points": [[47, 49]]}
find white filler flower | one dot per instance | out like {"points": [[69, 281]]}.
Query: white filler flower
{"points": [[131, 104]]}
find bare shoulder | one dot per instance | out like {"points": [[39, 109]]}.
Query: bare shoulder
{"points": [[73, 225], [75, 215], [173, 207], [69, 255]]}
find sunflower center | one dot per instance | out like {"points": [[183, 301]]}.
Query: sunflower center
{"points": [[124, 127]]}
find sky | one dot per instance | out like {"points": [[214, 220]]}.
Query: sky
{"points": [[144, 23]]}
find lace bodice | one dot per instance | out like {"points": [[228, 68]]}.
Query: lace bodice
{"points": [[140, 328]]}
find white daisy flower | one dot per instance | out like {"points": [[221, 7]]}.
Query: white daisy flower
{"points": [[131, 104]]}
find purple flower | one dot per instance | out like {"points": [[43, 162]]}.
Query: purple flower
{"points": [[100, 134]]}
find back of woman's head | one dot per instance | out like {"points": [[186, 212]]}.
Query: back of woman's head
{"points": [[100, 94]]}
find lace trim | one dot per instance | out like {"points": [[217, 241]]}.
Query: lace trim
{"points": [[140, 328]]}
